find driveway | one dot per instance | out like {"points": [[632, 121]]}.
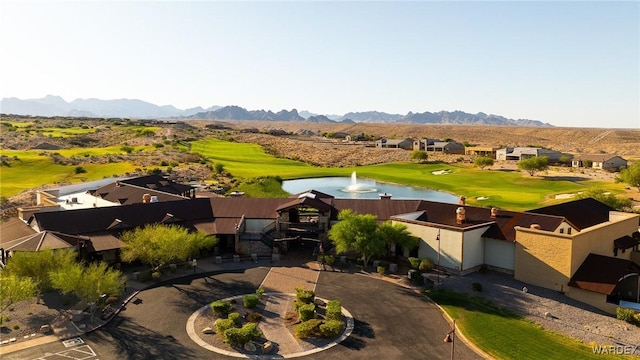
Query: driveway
{"points": [[391, 322]]}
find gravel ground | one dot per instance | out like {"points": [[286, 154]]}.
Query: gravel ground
{"points": [[567, 316]]}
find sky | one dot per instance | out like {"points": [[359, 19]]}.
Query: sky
{"points": [[574, 63]]}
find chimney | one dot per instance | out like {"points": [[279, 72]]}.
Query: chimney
{"points": [[535, 226], [462, 200], [460, 215], [385, 196], [117, 183], [146, 198], [494, 213]]}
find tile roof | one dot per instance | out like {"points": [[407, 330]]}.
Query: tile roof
{"points": [[253, 208], [105, 241], [14, 228], [581, 213], [590, 276], [121, 192]]}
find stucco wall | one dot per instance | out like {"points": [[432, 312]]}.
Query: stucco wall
{"points": [[499, 254], [473, 248], [450, 245], [542, 258], [594, 299]]}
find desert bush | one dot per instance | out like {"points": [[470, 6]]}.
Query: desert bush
{"points": [[79, 170], [222, 325], [254, 317], [331, 328], [235, 317], [260, 292], [240, 336], [307, 328], [334, 310], [127, 149], [220, 307], [426, 265], [250, 301], [414, 262], [304, 296], [476, 286], [628, 315], [306, 312]]}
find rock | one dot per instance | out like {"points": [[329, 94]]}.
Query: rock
{"points": [[208, 330], [45, 329], [548, 315], [267, 347], [250, 347]]}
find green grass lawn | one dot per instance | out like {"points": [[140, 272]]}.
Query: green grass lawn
{"points": [[508, 190], [505, 335]]}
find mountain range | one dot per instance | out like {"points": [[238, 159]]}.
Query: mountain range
{"points": [[52, 105]]}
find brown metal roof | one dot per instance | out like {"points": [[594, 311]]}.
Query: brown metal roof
{"points": [[125, 194], [306, 201], [601, 274], [12, 229], [318, 194], [596, 157], [84, 221], [105, 241], [382, 209], [253, 208], [43, 240], [581, 213]]}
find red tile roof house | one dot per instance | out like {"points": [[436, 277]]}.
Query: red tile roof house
{"points": [[547, 247]]}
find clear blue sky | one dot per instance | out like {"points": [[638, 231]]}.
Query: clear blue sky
{"points": [[567, 63]]}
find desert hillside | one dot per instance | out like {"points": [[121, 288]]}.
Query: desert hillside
{"points": [[624, 142]]}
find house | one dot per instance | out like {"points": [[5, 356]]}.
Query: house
{"points": [[521, 153], [582, 248], [600, 161], [432, 145], [385, 143], [488, 151]]}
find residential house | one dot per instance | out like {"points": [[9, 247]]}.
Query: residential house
{"points": [[488, 151], [432, 145], [521, 153], [600, 161], [385, 143]]}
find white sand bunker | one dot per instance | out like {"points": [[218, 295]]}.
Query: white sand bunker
{"points": [[565, 196], [441, 172], [482, 198]]}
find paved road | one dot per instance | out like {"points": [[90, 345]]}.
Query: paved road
{"points": [[391, 322]]}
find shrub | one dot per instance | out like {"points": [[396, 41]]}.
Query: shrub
{"points": [[334, 310], [331, 328], [254, 317], [307, 328], [235, 317], [250, 301], [241, 336], [426, 265], [329, 260], [221, 307], [260, 292], [222, 325], [79, 170], [219, 168], [476, 286], [305, 296], [628, 315], [414, 262], [127, 149], [16, 327], [306, 312], [156, 275], [381, 270]]}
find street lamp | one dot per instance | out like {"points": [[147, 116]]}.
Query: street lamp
{"points": [[194, 263], [451, 337]]}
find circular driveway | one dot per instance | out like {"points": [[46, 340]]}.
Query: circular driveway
{"points": [[391, 322]]}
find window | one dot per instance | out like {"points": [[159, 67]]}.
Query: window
{"points": [[569, 231], [561, 231]]}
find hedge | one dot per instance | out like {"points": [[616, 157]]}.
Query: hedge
{"points": [[221, 307], [235, 317], [334, 310], [331, 328], [222, 325], [306, 312], [251, 300], [307, 328], [240, 336]]}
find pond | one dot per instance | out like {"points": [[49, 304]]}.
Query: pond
{"points": [[355, 188]]}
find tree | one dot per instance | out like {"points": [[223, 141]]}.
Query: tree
{"points": [[565, 160], [89, 283], [158, 244], [38, 264], [397, 234], [483, 161], [14, 289], [631, 175], [616, 202], [357, 233], [534, 164], [419, 155]]}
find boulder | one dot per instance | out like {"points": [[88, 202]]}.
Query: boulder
{"points": [[267, 347], [208, 331], [250, 347]]}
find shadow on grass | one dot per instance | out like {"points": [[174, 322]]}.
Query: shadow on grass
{"points": [[133, 341], [445, 297]]}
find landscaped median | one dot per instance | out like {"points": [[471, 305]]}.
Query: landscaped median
{"points": [[505, 335]]}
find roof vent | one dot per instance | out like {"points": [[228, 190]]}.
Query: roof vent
{"points": [[462, 200], [146, 198], [117, 183], [535, 226], [460, 215]]}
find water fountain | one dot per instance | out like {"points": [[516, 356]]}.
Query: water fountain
{"points": [[358, 188]]}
